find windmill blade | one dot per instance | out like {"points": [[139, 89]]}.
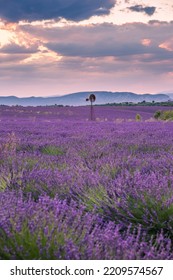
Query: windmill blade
{"points": [[92, 97]]}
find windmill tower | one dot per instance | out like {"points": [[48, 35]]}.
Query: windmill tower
{"points": [[92, 99]]}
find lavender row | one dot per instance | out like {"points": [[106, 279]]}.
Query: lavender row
{"points": [[54, 229], [111, 183], [101, 113]]}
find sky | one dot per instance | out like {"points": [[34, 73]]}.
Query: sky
{"points": [[55, 47]]}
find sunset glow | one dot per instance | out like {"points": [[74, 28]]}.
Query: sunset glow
{"points": [[118, 46]]}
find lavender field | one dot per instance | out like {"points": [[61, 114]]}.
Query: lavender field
{"points": [[71, 188]]}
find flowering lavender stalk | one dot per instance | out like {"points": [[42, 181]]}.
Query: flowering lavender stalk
{"points": [[72, 189]]}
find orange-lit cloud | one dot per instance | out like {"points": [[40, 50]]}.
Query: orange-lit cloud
{"points": [[146, 42], [43, 56], [168, 45], [118, 51]]}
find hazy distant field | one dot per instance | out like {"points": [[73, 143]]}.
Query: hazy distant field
{"points": [[112, 113], [75, 189]]}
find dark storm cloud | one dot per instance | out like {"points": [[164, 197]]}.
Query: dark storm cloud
{"points": [[16, 10], [140, 9]]}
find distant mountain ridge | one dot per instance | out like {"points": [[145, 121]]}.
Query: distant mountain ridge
{"points": [[79, 99]]}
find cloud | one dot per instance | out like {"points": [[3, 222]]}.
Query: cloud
{"points": [[146, 42], [106, 40], [31, 10], [103, 51], [100, 40], [16, 49], [75, 57], [8, 60], [107, 48], [95, 49], [141, 9]]}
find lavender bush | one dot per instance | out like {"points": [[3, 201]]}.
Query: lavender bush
{"points": [[74, 189]]}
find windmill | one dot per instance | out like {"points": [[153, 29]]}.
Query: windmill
{"points": [[91, 98]]}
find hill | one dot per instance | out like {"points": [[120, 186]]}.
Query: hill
{"points": [[79, 99]]}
